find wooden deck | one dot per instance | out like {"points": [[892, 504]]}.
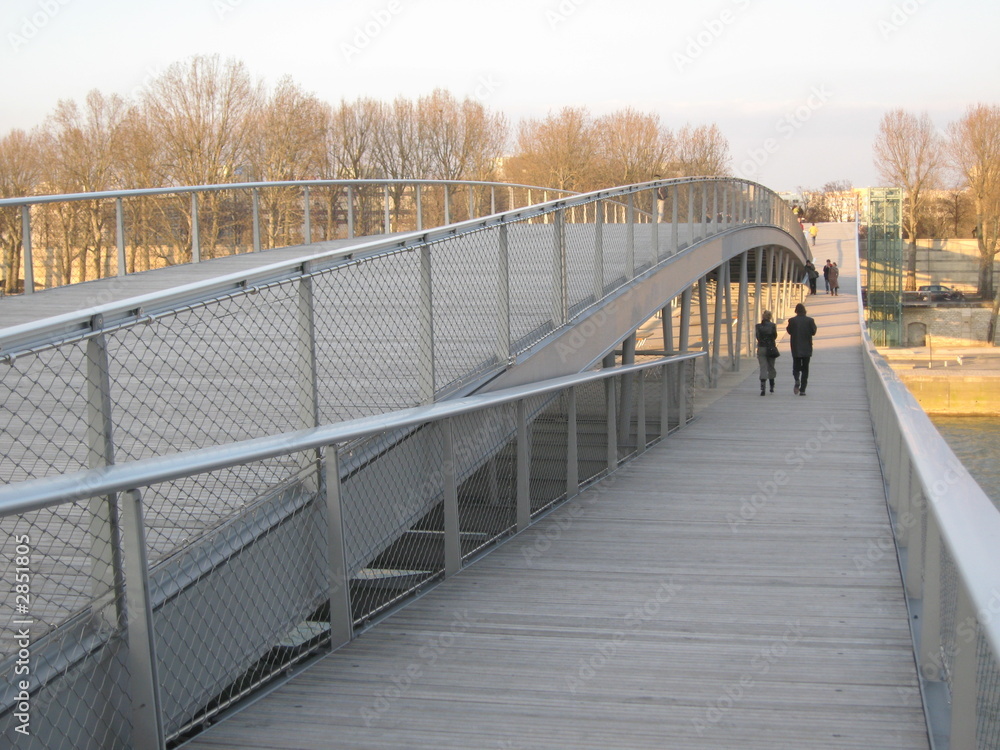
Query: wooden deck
{"points": [[724, 590]]}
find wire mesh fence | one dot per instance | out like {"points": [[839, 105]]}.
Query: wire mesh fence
{"points": [[391, 328]]}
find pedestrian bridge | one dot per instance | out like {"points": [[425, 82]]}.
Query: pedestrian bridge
{"points": [[502, 483]]}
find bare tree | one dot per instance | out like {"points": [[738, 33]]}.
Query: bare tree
{"points": [[909, 154], [559, 151], [633, 147], [701, 151], [975, 151], [83, 146], [20, 172]]}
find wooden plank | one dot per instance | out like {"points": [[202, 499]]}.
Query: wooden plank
{"points": [[725, 589]]}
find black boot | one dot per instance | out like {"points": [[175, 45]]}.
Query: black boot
{"points": [[762, 384], [772, 385]]}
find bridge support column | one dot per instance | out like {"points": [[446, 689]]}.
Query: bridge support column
{"points": [[720, 294], [742, 310], [757, 301], [733, 357], [627, 389], [685, 322], [703, 316]]}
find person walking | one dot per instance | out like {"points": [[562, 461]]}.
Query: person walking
{"points": [[801, 329], [813, 231], [826, 275], [834, 279], [811, 274], [767, 350]]}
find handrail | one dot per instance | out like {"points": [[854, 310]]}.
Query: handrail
{"points": [[183, 189], [930, 491], [80, 323], [45, 492]]}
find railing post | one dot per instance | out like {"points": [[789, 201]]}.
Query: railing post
{"points": [[426, 343], [447, 204], [472, 202], [341, 616], [690, 200], [350, 211], [640, 411], [964, 681], [195, 231], [929, 657], [387, 220], [630, 236], [664, 400], [103, 517], [27, 260], [256, 219], [307, 372], [572, 447], [523, 467], [120, 236], [674, 240], [598, 250], [503, 342], [420, 211], [654, 230], [560, 302], [307, 234], [147, 715], [610, 400], [682, 382], [493, 199], [452, 531], [715, 208]]}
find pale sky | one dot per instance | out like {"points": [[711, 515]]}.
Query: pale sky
{"points": [[798, 88]]}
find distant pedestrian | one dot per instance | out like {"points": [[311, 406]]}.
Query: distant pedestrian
{"points": [[834, 279], [811, 275], [801, 329], [813, 231], [826, 275], [767, 350]]}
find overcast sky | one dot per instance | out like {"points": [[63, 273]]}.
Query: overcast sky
{"points": [[798, 88]]}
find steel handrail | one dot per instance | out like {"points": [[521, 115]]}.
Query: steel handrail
{"points": [[22, 337], [36, 494], [218, 187]]}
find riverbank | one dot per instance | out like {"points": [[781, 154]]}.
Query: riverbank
{"points": [[960, 381]]}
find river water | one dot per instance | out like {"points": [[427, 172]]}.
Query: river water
{"points": [[976, 442]]}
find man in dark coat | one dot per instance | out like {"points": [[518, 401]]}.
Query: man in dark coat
{"points": [[801, 330]]}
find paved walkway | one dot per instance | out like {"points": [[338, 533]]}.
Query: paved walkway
{"points": [[725, 590]]}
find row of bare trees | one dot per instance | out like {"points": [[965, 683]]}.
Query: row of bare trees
{"points": [[207, 121], [910, 152]]}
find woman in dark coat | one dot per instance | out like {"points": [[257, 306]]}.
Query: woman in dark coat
{"points": [[767, 335], [834, 279]]}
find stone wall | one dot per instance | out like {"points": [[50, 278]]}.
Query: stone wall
{"points": [[954, 263], [954, 394], [947, 324]]}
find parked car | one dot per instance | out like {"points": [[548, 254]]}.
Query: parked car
{"points": [[939, 292]]}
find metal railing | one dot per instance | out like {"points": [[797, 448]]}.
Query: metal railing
{"points": [[154, 648], [339, 335], [86, 236], [947, 533]]}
